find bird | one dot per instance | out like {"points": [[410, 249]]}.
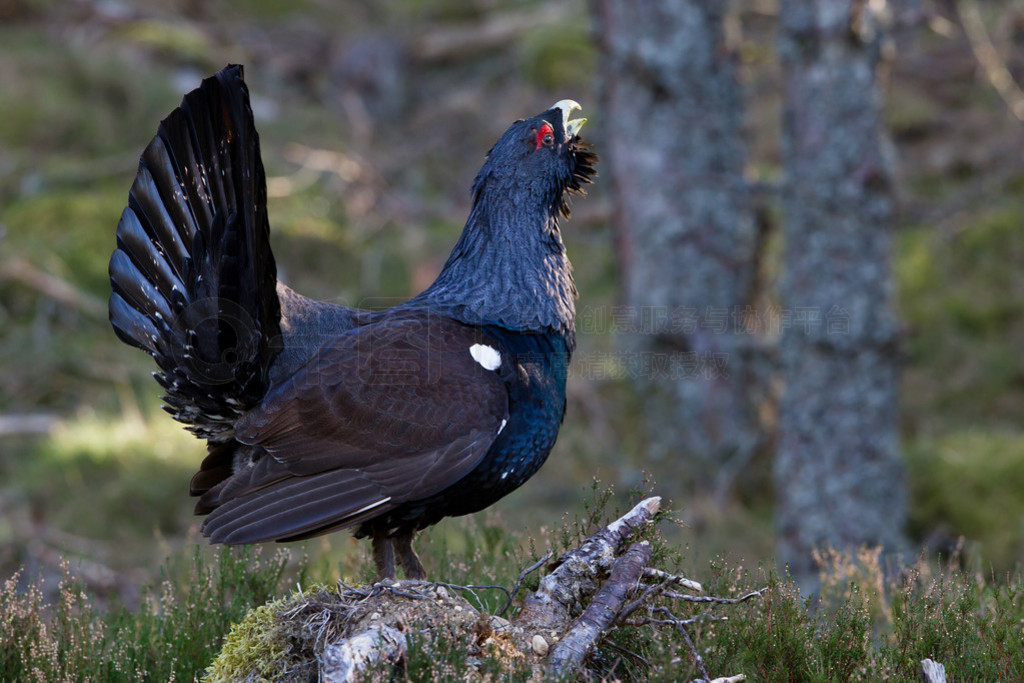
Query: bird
{"points": [[317, 416]]}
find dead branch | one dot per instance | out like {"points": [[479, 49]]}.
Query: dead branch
{"points": [[343, 661], [563, 591], [601, 613], [659, 575], [932, 672], [988, 57], [707, 598]]}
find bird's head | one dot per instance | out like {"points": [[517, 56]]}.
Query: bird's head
{"points": [[541, 159]]}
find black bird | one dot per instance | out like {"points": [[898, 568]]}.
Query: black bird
{"points": [[317, 416]]}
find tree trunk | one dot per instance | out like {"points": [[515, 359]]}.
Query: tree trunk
{"points": [[686, 232], [838, 470]]}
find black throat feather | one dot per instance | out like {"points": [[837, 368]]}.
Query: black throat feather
{"points": [[509, 267]]}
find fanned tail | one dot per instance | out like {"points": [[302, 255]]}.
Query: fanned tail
{"points": [[194, 280]]}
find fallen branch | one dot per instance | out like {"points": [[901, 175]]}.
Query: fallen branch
{"points": [[601, 613], [578, 574], [342, 662], [932, 672], [652, 573], [711, 599]]}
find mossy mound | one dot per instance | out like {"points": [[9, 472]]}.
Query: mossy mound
{"points": [[285, 639]]}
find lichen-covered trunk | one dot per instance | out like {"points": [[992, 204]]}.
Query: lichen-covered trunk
{"points": [[838, 470], [675, 158]]}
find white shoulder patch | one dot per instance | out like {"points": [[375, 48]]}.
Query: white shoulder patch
{"points": [[487, 356]]}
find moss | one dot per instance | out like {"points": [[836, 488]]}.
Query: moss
{"points": [[254, 649]]}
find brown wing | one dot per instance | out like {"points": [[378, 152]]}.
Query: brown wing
{"points": [[387, 413]]}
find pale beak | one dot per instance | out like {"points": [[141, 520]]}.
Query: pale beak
{"points": [[571, 127]]}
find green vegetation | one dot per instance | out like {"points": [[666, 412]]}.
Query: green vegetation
{"points": [[174, 634], [865, 624]]}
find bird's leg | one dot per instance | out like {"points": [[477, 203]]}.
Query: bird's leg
{"points": [[383, 556], [407, 557]]}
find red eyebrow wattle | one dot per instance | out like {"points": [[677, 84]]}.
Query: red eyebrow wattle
{"points": [[546, 129]]}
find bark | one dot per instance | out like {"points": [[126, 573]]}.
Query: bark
{"points": [[685, 227], [838, 472], [932, 672], [566, 590], [601, 613], [344, 661]]}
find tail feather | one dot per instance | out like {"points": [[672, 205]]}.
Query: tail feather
{"points": [[193, 277]]}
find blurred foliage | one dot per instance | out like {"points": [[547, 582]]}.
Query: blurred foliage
{"points": [[969, 483], [960, 298]]}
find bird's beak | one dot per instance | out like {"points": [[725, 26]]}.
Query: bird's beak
{"points": [[571, 127]]}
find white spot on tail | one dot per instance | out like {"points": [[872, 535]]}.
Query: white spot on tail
{"points": [[487, 356], [503, 423]]}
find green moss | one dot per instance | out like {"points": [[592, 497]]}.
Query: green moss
{"points": [[253, 648]]}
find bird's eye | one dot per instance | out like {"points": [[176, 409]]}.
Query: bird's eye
{"points": [[545, 136]]}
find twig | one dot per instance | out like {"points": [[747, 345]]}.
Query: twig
{"points": [[522, 575], [628, 652], [645, 597], [597, 619], [472, 589], [654, 591], [651, 621], [988, 57], [708, 598], [697, 659], [652, 573]]}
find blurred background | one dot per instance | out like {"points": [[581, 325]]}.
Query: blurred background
{"points": [[374, 119]]}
